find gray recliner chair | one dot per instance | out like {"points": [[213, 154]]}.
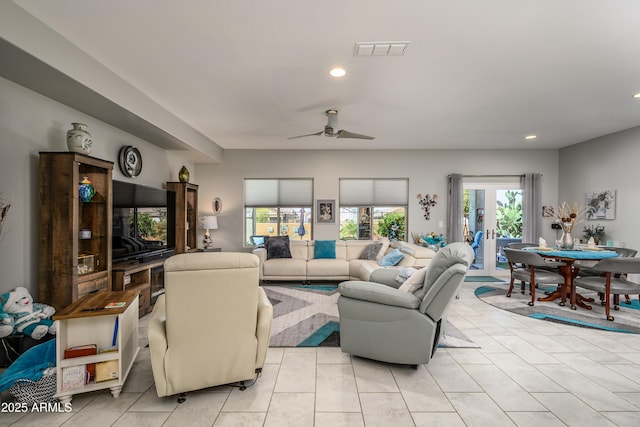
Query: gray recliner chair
{"points": [[380, 322]]}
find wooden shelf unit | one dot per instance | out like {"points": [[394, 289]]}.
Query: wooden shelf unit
{"points": [[62, 216], [139, 278], [77, 327], [182, 222]]}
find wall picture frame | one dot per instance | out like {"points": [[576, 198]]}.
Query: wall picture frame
{"points": [[326, 211], [601, 204]]}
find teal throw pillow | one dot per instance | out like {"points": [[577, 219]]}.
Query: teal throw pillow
{"points": [[325, 249], [391, 259]]}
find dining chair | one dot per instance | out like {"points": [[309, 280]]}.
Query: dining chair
{"points": [[519, 245], [613, 279], [589, 271], [529, 267]]}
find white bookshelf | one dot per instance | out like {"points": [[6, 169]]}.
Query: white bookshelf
{"points": [[77, 327]]}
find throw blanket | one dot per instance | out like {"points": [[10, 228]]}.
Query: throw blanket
{"points": [[30, 365]]}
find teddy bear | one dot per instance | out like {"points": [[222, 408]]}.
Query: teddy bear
{"points": [[7, 324], [29, 318]]}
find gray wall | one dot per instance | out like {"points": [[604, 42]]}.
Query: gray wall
{"points": [[30, 123], [427, 171], [607, 163]]}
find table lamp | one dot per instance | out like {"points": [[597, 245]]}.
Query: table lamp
{"points": [[209, 222]]}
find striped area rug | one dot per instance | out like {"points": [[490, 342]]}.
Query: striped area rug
{"points": [[307, 316], [627, 318]]}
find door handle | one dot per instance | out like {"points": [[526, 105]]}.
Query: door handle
{"points": [[487, 234], [493, 234]]}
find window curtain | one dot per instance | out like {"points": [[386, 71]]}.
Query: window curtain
{"points": [[531, 207], [374, 192], [454, 219], [264, 193]]}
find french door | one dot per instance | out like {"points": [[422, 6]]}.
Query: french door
{"points": [[493, 219]]}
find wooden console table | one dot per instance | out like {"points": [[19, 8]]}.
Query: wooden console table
{"points": [[136, 276]]}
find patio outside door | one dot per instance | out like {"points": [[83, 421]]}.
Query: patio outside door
{"points": [[493, 219]]}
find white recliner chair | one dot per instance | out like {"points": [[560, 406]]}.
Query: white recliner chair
{"points": [[211, 326]]}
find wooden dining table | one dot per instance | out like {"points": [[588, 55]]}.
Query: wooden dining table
{"points": [[569, 271]]}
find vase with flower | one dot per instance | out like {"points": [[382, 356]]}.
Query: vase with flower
{"points": [[567, 217]]}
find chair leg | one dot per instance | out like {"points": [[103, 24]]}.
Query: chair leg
{"points": [[510, 288], [522, 286], [532, 286], [627, 300], [607, 299], [182, 397]]}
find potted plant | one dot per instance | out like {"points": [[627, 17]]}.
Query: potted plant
{"points": [[595, 231]]}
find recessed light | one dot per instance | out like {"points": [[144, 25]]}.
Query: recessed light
{"points": [[337, 72], [530, 137], [637, 95]]}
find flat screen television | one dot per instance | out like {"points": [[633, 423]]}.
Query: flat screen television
{"points": [[140, 218]]}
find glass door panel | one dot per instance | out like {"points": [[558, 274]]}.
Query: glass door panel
{"points": [[492, 219]]}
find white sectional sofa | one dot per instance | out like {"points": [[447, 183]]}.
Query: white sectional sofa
{"points": [[347, 265]]}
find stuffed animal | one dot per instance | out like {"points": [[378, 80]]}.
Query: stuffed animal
{"points": [[7, 325], [31, 319]]}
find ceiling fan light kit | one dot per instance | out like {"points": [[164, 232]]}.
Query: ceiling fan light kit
{"points": [[332, 129]]}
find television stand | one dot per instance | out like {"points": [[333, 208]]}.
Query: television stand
{"points": [[146, 277]]}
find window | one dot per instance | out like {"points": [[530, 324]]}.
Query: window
{"points": [[371, 208], [278, 207]]}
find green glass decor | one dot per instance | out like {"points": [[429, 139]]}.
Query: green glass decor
{"points": [[183, 175]]}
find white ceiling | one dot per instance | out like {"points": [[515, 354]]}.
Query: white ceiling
{"points": [[476, 74]]}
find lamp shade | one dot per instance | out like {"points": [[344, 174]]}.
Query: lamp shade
{"points": [[209, 222]]}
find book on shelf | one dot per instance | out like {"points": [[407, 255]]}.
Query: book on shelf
{"points": [[80, 351], [74, 377], [115, 304], [107, 370], [111, 349]]}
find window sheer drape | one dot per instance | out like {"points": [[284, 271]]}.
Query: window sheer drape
{"points": [[531, 207], [455, 215]]}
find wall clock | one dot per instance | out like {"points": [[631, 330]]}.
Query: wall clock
{"points": [[130, 161]]}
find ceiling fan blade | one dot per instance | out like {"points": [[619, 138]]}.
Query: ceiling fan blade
{"points": [[346, 134], [309, 134]]}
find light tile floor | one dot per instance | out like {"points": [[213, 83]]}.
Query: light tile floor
{"points": [[527, 373]]}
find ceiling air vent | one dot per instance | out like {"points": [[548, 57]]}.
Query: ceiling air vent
{"points": [[380, 48]]}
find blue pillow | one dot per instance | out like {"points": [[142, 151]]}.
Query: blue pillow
{"points": [[391, 259], [325, 249]]}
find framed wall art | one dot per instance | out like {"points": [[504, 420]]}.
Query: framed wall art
{"points": [[325, 211], [547, 211], [601, 204]]}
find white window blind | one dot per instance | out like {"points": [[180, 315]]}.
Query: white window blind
{"points": [[278, 192], [374, 192]]}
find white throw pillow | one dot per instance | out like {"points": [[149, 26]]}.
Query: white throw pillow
{"points": [[415, 281], [383, 249]]}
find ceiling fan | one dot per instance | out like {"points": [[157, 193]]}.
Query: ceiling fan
{"points": [[332, 129]]}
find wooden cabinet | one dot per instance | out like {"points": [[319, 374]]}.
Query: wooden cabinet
{"points": [[182, 222], [141, 277], [75, 236], [87, 322]]}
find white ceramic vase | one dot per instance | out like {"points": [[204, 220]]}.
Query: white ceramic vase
{"points": [[78, 139]]}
